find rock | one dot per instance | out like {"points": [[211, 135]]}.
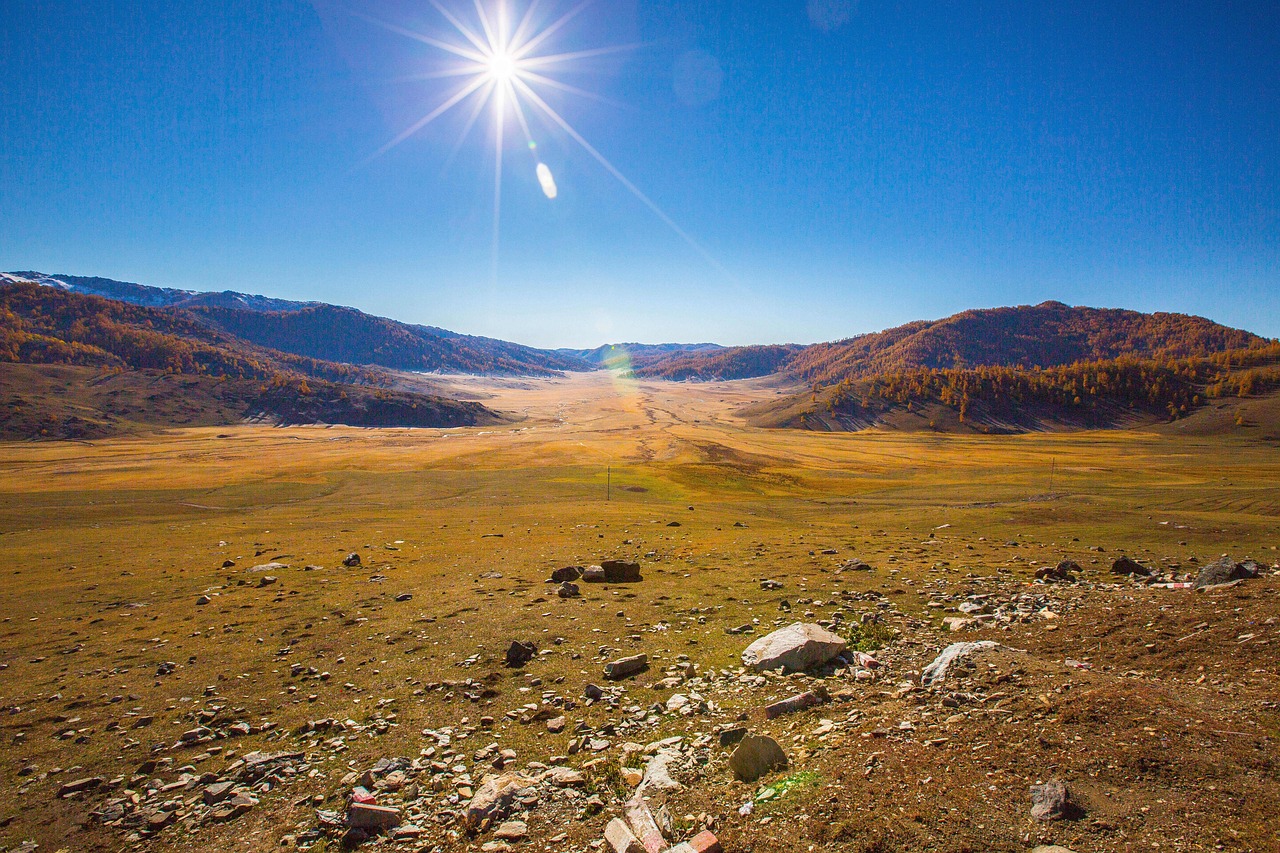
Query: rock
{"points": [[520, 653], [567, 574], [620, 571], [566, 777], [351, 560], [267, 567], [1127, 566], [1225, 570], [1066, 571], [958, 623], [593, 574], [797, 703], [624, 667], [1051, 848], [267, 581], [593, 692], [405, 596], [770, 585], [370, 817], [1052, 801], [620, 838], [494, 799], [797, 647], [732, 735], [644, 826], [755, 756], [937, 671], [203, 600], [556, 725], [568, 590], [81, 785], [217, 792], [657, 773], [512, 830], [705, 842]]}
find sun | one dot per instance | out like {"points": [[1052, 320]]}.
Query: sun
{"points": [[502, 67]]}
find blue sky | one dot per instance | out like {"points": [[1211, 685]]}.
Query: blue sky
{"points": [[836, 167]]}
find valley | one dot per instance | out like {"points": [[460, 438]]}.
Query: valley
{"points": [[178, 612]]}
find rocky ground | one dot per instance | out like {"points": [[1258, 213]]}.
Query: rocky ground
{"points": [[1120, 712]]}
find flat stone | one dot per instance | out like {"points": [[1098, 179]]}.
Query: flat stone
{"points": [[512, 830], [79, 785], [800, 702], [1052, 801], [627, 666], [1225, 570], [795, 648], [367, 816], [494, 799]]}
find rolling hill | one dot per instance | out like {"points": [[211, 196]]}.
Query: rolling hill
{"points": [[1027, 336], [78, 366], [326, 332]]}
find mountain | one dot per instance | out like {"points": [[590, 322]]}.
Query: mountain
{"points": [[636, 355], [1044, 335], [154, 297], [78, 366], [347, 335], [326, 332]]}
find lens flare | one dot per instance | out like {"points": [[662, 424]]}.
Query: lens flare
{"points": [[547, 180]]}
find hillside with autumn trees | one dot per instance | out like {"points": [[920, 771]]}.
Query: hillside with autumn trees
{"points": [[59, 350], [1025, 336], [999, 399]]}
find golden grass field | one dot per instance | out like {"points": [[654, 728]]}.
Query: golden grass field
{"points": [[107, 546]]}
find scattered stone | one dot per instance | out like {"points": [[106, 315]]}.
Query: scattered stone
{"points": [[644, 826], [217, 792], [770, 585], [593, 574], [1066, 572], [512, 830], [81, 785], [494, 799], [1128, 566], [755, 756], [568, 590], [620, 571], [593, 692], [657, 773], [937, 671], [351, 560], [1225, 570], [624, 667], [1051, 848], [367, 816], [799, 702], [732, 735], [405, 596], [520, 653], [620, 838], [1052, 801], [556, 725], [566, 574], [203, 600], [797, 647]]}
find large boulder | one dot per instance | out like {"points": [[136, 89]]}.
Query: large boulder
{"points": [[566, 574], [1226, 570], [795, 648]]}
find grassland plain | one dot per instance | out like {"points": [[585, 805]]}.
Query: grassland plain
{"points": [[110, 544]]}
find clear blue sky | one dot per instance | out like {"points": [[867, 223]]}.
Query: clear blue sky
{"points": [[846, 166]]}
